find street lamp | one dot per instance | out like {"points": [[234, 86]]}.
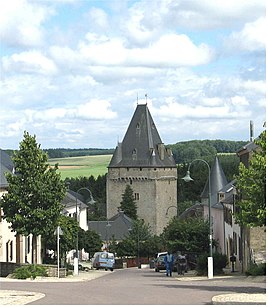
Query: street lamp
{"points": [[188, 178], [107, 234], [171, 207], [59, 233], [92, 201]]}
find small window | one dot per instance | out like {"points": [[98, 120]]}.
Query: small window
{"points": [[28, 244], [136, 196], [140, 168], [130, 181], [11, 250]]}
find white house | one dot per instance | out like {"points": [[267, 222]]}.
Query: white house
{"points": [[75, 207]]}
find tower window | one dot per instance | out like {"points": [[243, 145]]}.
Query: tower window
{"points": [[136, 196]]}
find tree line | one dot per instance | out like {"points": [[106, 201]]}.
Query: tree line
{"points": [[182, 151], [196, 149]]}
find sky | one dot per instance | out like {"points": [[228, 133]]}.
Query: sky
{"points": [[73, 71]]}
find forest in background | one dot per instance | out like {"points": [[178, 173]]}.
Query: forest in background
{"points": [[184, 151]]}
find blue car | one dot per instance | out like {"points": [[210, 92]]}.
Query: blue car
{"points": [[103, 260]]}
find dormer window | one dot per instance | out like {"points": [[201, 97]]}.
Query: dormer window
{"points": [[221, 196]]}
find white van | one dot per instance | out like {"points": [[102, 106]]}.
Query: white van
{"points": [[103, 260]]}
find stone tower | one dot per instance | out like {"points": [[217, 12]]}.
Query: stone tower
{"points": [[143, 162]]}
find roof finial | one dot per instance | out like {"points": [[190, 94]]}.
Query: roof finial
{"points": [[137, 98], [146, 97]]}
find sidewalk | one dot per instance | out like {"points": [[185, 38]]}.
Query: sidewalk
{"points": [[233, 298], [10, 297]]}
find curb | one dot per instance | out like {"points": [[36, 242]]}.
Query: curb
{"points": [[13, 297], [239, 299]]}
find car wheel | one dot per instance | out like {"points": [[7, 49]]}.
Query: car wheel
{"points": [[111, 270]]}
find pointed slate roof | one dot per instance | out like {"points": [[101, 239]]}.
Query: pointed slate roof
{"points": [[6, 166], [217, 182], [118, 226], [70, 200], [142, 145]]}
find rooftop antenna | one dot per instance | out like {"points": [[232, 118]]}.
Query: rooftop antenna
{"points": [[146, 97], [137, 98]]}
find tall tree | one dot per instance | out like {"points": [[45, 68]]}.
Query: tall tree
{"points": [[33, 202], [128, 204], [251, 184], [190, 235]]}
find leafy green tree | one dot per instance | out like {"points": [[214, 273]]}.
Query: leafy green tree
{"points": [[251, 184], [128, 204], [91, 242], [33, 202], [189, 235], [69, 227]]}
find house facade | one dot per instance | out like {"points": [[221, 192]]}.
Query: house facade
{"points": [[142, 161], [227, 234], [75, 207]]}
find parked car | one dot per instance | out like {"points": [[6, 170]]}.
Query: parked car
{"points": [[103, 260], [160, 263]]}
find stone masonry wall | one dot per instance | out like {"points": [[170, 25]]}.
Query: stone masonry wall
{"points": [[155, 190]]}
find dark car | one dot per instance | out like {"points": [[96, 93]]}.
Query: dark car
{"points": [[159, 263]]}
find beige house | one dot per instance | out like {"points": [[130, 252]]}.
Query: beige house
{"points": [[143, 162]]}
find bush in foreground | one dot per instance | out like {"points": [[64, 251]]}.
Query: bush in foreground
{"points": [[29, 271], [256, 269], [219, 263]]}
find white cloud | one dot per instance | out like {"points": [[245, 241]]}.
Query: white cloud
{"points": [[228, 108], [169, 51], [252, 37], [29, 62], [21, 23], [96, 109], [98, 19]]}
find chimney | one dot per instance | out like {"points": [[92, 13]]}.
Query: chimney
{"points": [[251, 131]]}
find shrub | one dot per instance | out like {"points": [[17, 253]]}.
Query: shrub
{"points": [[219, 262], [256, 269], [29, 271]]}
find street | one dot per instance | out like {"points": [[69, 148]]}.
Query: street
{"points": [[136, 286]]}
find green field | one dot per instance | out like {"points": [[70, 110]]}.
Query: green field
{"points": [[82, 166]]}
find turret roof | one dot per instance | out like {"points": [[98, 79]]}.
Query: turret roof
{"points": [[142, 145], [217, 181]]}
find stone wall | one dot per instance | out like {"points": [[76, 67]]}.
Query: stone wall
{"points": [[155, 190], [258, 244], [7, 268]]}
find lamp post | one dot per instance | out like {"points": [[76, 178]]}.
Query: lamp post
{"points": [[171, 207], [59, 233], [107, 234], [188, 178], [92, 201]]}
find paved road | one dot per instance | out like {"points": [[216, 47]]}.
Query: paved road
{"points": [[134, 286]]}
